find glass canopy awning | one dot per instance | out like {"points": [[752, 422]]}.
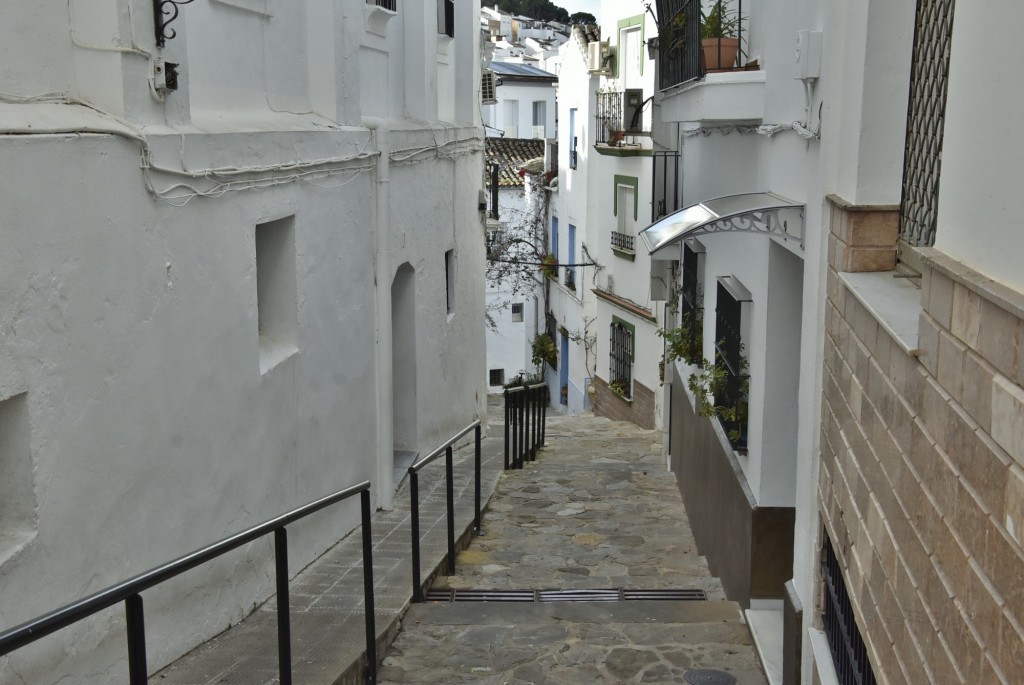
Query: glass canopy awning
{"points": [[764, 213]]}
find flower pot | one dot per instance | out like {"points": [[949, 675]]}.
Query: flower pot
{"points": [[720, 53]]}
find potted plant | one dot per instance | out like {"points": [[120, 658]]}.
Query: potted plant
{"points": [[549, 266], [719, 33]]}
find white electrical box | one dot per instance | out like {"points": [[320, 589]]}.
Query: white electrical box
{"points": [[808, 55]]}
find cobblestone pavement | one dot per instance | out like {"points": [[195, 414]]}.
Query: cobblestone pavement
{"points": [[596, 510]]}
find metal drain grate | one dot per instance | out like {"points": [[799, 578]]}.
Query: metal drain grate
{"points": [[586, 595], [709, 676]]}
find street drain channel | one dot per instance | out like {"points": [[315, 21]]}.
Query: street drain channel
{"points": [[610, 595]]}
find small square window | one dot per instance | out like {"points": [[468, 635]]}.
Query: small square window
{"points": [[497, 377], [517, 312]]}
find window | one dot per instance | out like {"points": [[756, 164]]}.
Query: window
{"points": [[573, 139], [449, 280], [510, 124], [276, 297], [497, 377], [570, 271], [17, 495], [554, 237], [446, 17], [540, 110], [691, 300], [386, 4], [517, 312], [621, 358], [731, 392], [849, 654], [623, 238]]}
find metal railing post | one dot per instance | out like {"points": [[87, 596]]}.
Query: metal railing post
{"points": [[522, 429], [515, 430], [507, 416], [544, 401], [370, 618], [450, 492], [284, 629], [477, 437], [527, 410], [414, 501], [136, 624]]}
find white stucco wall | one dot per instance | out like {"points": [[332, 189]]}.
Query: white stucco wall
{"points": [[978, 222], [130, 319], [525, 94]]}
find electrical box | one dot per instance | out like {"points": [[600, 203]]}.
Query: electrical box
{"points": [[633, 111], [808, 55]]}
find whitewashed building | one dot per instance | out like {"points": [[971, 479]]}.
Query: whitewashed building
{"points": [[240, 266], [524, 104], [605, 312], [515, 244], [847, 243]]}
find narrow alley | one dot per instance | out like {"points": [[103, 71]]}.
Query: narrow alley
{"points": [[596, 511]]}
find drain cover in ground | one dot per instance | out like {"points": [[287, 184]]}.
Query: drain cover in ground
{"points": [[708, 676]]}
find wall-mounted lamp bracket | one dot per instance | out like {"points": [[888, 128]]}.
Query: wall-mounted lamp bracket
{"points": [[164, 13]]}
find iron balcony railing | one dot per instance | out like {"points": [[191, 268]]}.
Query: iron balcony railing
{"points": [[526, 412], [622, 241], [414, 500], [130, 592], [620, 114], [679, 49], [685, 52]]}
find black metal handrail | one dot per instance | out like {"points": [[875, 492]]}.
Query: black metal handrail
{"points": [[128, 591], [526, 412], [414, 500]]}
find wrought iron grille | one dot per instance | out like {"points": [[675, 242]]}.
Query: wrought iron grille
{"points": [[551, 328], [622, 241], [573, 155], [926, 111], [609, 118], [679, 50], [691, 309], [667, 191], [621, 358], [731, 394], [849, 654], [492, 195], [386, 4]]}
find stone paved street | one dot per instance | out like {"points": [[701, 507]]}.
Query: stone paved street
{"points": [[596, 510]]}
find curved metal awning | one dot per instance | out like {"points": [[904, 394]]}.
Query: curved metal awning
{"points": [[764, 213]]}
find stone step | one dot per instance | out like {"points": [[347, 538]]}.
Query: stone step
{"points": [[527, 613]]}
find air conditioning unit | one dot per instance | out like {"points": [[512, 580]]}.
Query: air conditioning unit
{"points": [[600, 58], [488, 95]]}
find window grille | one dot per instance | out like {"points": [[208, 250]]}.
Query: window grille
{"points": [[922, 160], [621, 358], [691, 306], [386, 4], [551, 328], [497, 377], [517, 312], [668, 195], [849, 654], [729, 352]]}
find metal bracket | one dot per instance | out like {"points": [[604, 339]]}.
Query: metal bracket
{"points": [[770, 222], [165, 12]]}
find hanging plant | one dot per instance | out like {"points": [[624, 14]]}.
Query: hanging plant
{"points": [[686, 341], [549, 266], [544, 351]]}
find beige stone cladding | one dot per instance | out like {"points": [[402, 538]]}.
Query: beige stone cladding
{"points": [[638, 410], [922, 486]]}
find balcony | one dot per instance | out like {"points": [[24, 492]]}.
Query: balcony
{"points": [[620, 122], [692, 43], [623, 244]]}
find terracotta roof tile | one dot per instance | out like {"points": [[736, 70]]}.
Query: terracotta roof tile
{"points": [[510, 154]]}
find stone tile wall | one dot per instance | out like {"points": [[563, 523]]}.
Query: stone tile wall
{"points": [[864, 238], [639, 410], [922, 485]]}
